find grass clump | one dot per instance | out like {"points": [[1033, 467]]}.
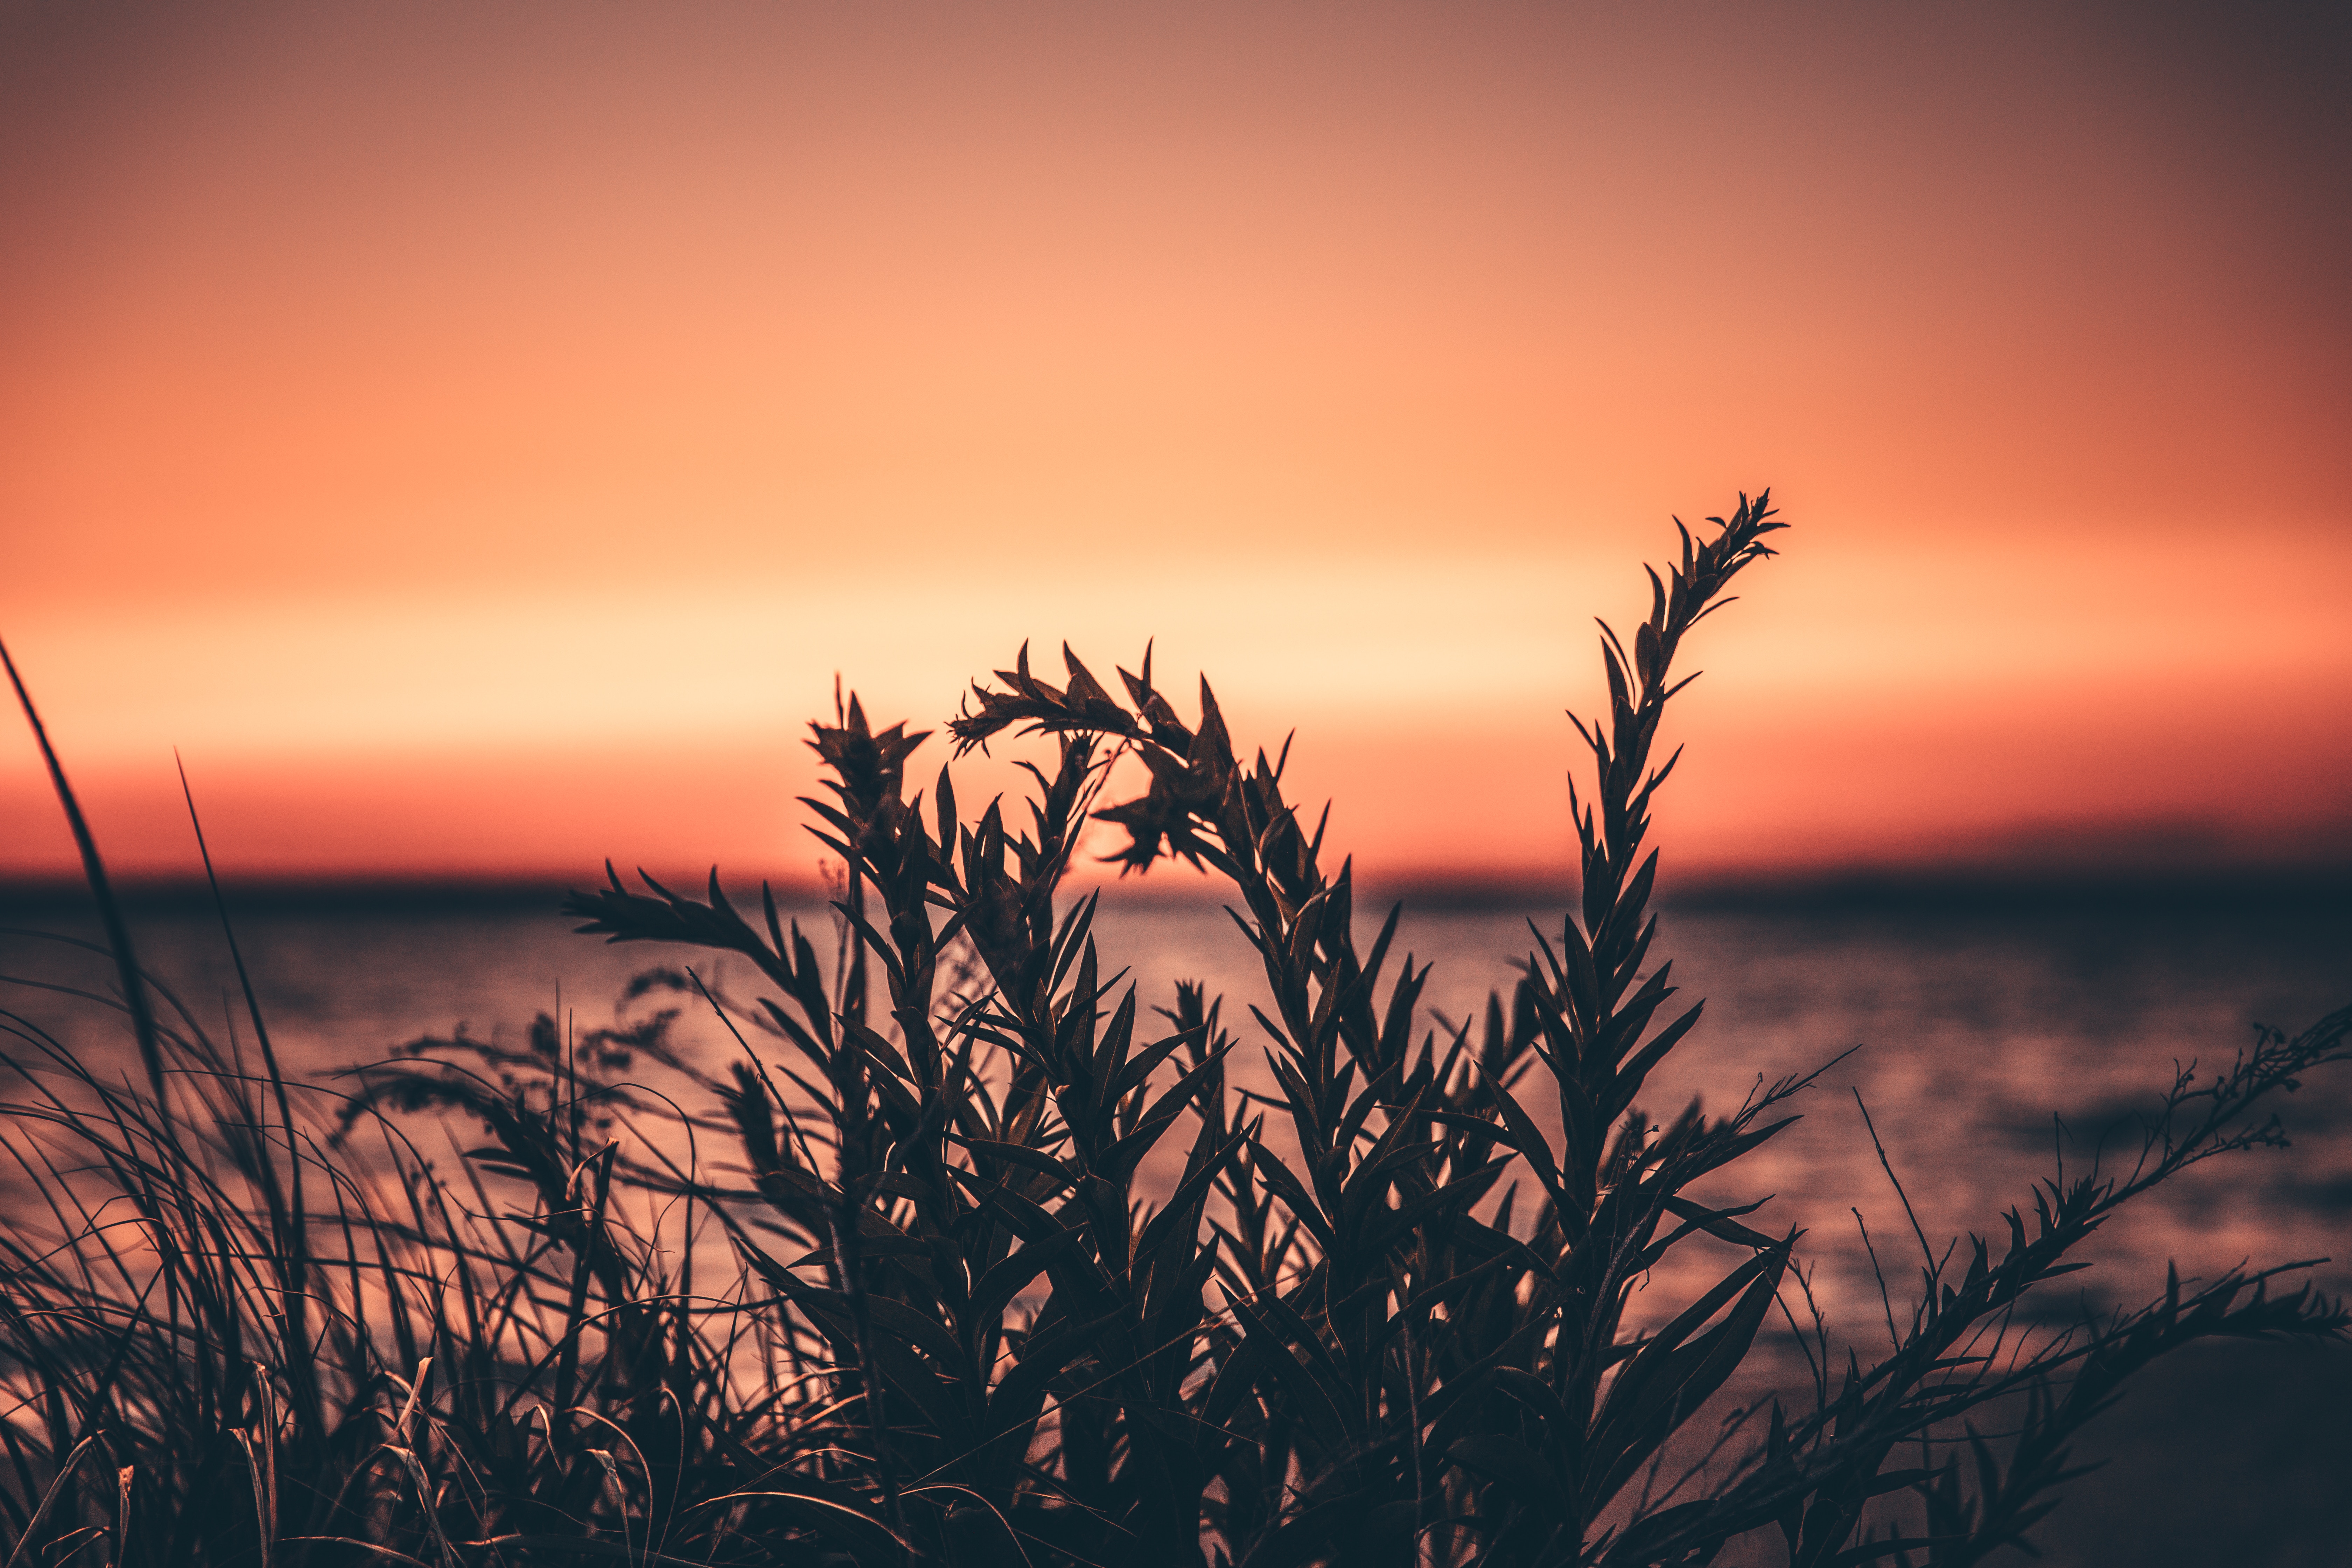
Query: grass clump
{"points": [[891, 1288]]}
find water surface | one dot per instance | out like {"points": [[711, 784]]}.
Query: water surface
{"points": [[1993, 1041]]}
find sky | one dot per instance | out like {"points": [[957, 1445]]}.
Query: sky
{"points": [[476, 436]]}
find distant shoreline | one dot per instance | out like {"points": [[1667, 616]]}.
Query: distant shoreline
{"points": [[2319, 887]]}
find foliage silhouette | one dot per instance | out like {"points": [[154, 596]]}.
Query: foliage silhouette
{"points": [[949, 1324]]}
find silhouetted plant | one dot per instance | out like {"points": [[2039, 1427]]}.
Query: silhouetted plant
{"points": [[950, 1324]]}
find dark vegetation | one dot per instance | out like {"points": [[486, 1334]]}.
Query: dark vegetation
{"points": [[891, 1290]]}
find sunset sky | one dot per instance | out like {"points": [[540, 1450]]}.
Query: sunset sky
{"points": [[475, 434]]}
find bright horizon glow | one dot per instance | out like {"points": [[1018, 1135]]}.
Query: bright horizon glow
{"points": [[475, 440]]}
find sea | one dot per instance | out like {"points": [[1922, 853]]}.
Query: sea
{"points": [[1963, 1047]]}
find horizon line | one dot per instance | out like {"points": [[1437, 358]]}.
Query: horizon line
{"points": [[2320, 881]]}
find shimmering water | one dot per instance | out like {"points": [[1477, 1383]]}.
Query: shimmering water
{"points": [[1976, 1027]]}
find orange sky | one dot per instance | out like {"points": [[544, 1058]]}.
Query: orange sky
{"points": [[475, 434]]}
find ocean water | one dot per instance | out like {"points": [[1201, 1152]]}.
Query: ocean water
{"points": [[1965, 1032], [1993, 1041]]}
